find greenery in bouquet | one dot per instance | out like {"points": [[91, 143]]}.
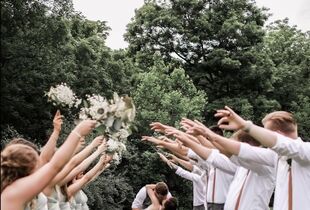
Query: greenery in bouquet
{"points": [[113, 116], [113, 120]]}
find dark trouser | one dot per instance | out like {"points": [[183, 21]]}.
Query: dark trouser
{"points": [[201, 207], [215, 206]]}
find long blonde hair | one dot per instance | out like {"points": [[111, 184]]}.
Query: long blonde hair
{"points": [[17, 161]]}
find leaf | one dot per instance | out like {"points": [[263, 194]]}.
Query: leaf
{"points": [[117, 124], [101, 129]]}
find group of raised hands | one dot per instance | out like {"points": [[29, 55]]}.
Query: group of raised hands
{"points": [[53, 167], [194, 132]]}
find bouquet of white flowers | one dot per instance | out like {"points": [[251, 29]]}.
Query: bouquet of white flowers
{"points": [[113, 116], [62, 96]]}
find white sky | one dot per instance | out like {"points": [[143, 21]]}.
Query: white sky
{"points": [[118, 13]]}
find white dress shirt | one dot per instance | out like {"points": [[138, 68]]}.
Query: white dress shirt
{"points": [[258, 180], [199, 182], [141, 196], [299, 151], [223, 171]]}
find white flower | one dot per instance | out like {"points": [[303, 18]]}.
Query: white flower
{"points": [[116, 158], [62, 95]]}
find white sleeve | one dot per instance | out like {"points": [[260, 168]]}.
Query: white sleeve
{"points": [[221, 162], [295, 149], [253, 166], [258, 154], [191, 154], [186, 174], [139, 199]]}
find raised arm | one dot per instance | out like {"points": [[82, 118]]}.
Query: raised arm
{"points": [[77, 159], [79, 184], [184, 163], [232, 121], [49, 148], [200, 150], [150, 191], [25, 189], [83, 165]]}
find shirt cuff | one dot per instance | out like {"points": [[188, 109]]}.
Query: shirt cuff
{"points": [[280, 141], [191, 154], [178, 170], [212, 155], [244, 150]]}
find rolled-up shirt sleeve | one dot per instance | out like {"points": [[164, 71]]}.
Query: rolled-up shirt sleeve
{"points": [[292, 148], [186, 174], [139, 199], [258, 154], [221, 162]]}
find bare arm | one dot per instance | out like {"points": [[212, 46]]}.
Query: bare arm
{"points": [[83, 165], [23, 190], [48, 150], [79, 184], [150, 191], [77, 159], [231, 121]]}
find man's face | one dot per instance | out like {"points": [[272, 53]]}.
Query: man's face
{"points": [[160, 197]]}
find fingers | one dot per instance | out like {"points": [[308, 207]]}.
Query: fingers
{"points": [[223, 120]]}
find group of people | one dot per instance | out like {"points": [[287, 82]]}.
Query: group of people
{"points": [[50, 178], [236, 173], [240, 172]]}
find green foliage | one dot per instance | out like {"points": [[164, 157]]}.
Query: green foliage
{"points": [[165, 97], [289, 50]]}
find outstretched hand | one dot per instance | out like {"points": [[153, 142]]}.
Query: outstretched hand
{"points": [[151, 139], [194, 128], [164, 159], [97, 141], [57, 121], [229, 119], [84, 127], [159, 127]]}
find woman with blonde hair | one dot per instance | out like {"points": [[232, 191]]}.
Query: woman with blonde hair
{"points": [[21, 180]]}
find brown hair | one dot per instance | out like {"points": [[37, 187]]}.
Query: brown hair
{"points": [[25, 142], [242, 136], [161, 188], [171, 204], [281, 121], [17, 161]]}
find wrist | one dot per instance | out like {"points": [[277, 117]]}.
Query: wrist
{"points": [[246, 127], [56, 131], [76, 133]]}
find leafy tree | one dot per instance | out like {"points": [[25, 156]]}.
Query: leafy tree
{"points": [[289, 50], [213, 39], [165, 97]]}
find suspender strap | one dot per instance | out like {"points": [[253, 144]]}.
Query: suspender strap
{"points": [[213, 190], [290, 188], [240, 193]]}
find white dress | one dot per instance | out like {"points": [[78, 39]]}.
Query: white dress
{"points": [[81, 200], [41, 202], [63, 204], [53, 201]]}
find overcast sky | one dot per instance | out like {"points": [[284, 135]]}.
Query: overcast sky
{"points": [[118, 13]]}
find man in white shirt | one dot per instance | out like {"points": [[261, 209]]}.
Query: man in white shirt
{"points": [[293, 169], [253, 183], [161, 192], [194, 174]]}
